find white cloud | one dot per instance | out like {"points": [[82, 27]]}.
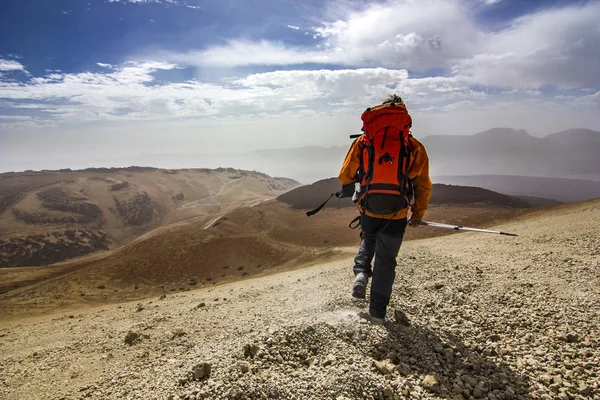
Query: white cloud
{"points": [[11, 65], [490, 2], [294, 27], [429, 33], [245, 53], [129, 92], [553, 47]]}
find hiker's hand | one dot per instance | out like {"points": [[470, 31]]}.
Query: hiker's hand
{"points": [[413, 223], [345, 191]]}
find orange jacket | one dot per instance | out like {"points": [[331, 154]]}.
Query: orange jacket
{"points": [[418, 172]]}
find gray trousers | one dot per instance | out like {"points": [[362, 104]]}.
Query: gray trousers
{"points": [[381, 238]]}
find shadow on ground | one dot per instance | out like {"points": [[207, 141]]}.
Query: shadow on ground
{"points": [[452, 369]]}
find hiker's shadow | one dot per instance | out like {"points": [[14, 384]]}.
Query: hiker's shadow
{"points": [[456, 369]]}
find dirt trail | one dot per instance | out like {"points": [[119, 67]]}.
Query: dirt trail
{"points": [[491, 317]]}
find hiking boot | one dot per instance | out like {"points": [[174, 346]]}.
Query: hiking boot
{"points": [[377, 321], [373, 320], [359, 290]]}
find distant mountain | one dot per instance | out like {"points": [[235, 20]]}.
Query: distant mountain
{"points": [[502, 151], [559, 189]]}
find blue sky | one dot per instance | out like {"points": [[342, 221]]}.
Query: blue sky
{"points": [[100, 80]]}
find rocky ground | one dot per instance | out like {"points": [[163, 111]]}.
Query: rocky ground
{"points": [[472, 316]]}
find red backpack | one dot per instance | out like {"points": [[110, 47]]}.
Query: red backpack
{"points": [[385, 187]]}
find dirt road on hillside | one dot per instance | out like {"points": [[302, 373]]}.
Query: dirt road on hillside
{"points": [[491, 317]]}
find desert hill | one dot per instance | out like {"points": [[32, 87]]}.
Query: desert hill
{"points": [[480, 316], [52, 216], [310, 196], [240, 244]]}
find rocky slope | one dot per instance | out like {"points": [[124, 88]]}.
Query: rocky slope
{"points": [[52, 216], [477, 315]]}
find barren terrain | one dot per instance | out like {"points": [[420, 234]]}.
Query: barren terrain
{"points": [[489, 317], [52, 216]]}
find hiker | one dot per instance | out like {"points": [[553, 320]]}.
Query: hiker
{"points": [[384, 169]]}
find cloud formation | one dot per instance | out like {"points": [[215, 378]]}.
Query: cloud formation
{"points": [[552, 47], [448, 66], [10, 65]]}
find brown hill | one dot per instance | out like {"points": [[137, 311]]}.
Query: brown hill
{"points": [[240, 244], [52, 216], [310, 196]]}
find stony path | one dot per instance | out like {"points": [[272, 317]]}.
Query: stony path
{"points": [[490, 317]]}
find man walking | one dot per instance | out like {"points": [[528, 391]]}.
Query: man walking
{"points": [[386, 171]]}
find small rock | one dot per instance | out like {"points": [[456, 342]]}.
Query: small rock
{"points": [[200, 371], [403, 369], [469, 380], [132, 337], [384, 367], [431, 383], [178, 333], [509, 394], [449, 353], [388, 391], [479, 391], [162, 296], [330, 359], [572, 337], [250, 350], [201, 305], [401, 318], [494, 338], [585, 390], [244, 366]]}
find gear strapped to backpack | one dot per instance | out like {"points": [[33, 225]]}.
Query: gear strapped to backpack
{"points": [[385, 187]]}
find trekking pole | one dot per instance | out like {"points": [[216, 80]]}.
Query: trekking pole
{"points": [[463, 228]]}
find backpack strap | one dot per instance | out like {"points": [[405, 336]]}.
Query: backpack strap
{"points": [[316, 210]]}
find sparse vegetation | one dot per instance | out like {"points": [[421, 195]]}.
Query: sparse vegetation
{"points": [[10, 199], [178, 196], [137, 210], [58, 199], [100, 287], [51, 247], [118, 186], [42, 218], [241, 267], [192, 282]]}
